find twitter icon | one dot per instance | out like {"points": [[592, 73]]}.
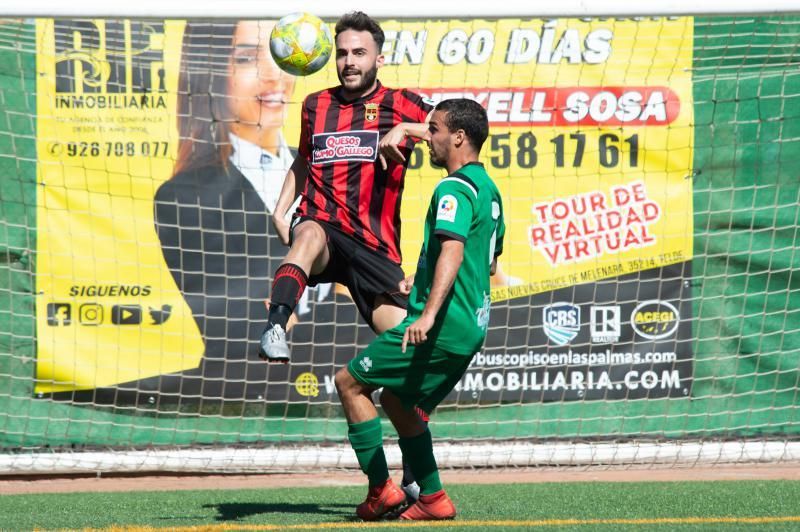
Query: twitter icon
{"points": [[161, 315]]}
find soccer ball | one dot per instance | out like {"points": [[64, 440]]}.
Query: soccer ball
{"points": [[301, 43]]}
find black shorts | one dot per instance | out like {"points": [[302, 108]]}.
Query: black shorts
{"points": [[366, 273]]}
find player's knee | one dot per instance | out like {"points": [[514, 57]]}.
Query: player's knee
{"points": [[344, 381], [309, 234]]}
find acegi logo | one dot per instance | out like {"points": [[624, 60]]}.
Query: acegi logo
{"points": [[345, 146], [562, 322], [655, 319]]}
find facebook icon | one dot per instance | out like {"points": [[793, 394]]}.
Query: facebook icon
{"points": [[59, 314]]}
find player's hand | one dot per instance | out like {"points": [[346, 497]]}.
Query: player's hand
{"points": [[282, 227], [388, 146], [417, 332], [406, 285]]}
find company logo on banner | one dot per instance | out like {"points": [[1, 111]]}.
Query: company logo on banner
{"points": [[307, 385], [562, 322], [110, 65], [655, 320], [606, 326]]}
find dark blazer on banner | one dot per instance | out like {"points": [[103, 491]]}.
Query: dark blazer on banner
{"points": [[218, 242]]}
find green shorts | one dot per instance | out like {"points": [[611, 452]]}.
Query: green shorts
{"points": [[422, 376]]}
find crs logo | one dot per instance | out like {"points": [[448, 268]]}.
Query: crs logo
{"points": [[655, 319], [562, 322]]}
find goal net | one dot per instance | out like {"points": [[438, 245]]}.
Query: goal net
{"points": [[645, 309]]}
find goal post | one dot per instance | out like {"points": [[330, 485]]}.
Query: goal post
{"points": [[646, 307]]}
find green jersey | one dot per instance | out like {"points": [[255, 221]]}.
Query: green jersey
{"points": [[465, 206]]}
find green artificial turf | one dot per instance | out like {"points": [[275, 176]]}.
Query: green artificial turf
{"points": [[525, 503]]}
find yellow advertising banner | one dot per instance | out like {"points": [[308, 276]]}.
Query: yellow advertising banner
{"points": [[590, 145], [109, 311]]}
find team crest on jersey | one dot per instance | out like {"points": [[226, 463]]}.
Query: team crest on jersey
{"points": [[448, 206], [370, 112], [344, 146]]}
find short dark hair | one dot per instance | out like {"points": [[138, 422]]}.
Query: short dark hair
{"points": [[469, 115], [360, 21]]}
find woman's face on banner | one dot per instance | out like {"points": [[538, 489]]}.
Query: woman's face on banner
{"points": [[258, 89]]}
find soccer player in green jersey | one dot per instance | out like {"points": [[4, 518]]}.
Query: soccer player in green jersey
{"points": [[421, 360]]}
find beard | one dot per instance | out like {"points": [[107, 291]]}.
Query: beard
{"points": [[436, 161], [367, 80]]}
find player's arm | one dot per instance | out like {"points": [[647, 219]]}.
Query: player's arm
{"points": [[295, 181], [415, 113], [444, 275], [388, 148]]}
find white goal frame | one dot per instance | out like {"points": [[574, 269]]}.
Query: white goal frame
{"points": [[310, 458]]}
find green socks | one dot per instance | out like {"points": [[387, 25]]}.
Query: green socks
{"points": [[367, 441], [418, 452]]}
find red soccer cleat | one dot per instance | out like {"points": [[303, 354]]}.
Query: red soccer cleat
{"points": [[433, 507], [380, 501]]}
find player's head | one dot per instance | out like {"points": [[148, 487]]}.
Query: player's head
{"points": [[456, 125], [228, 83], [359, 41]]}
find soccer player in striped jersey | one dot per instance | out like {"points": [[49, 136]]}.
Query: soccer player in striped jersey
{"points": [[419, 362], [346, 228]]}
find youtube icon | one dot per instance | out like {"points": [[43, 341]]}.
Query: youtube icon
{"points": [[126, 314]]}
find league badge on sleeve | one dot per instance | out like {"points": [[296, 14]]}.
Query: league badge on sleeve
{"points": [[448, 206]]}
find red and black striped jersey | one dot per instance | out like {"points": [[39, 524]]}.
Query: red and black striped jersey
{"points": [[346, 186]]}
